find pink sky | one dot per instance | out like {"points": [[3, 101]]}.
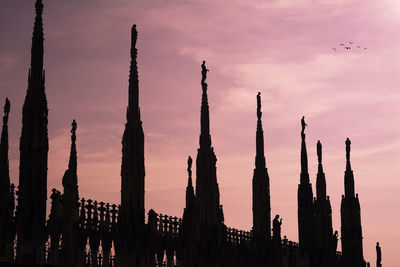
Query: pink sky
{"points": [[280, 48]]}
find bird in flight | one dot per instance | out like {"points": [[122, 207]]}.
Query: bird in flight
{"points": [[350, 42]]}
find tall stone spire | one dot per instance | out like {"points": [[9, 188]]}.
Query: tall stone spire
{"points": [[6, 194], [33, 157], [70, 208], [261, 196], [352, 247], [305, 197], [321, 182], [207, 191], [132, 171], [325, 240]]}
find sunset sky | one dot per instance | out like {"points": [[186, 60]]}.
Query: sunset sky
{"points": [[281, 48]]}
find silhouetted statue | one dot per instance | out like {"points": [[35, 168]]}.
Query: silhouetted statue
{"points": [[203, 72], [7, 107], [378, 255], [189, 162], [303, 125], [348, 143], [319, 151], [134, 36], [276, 227]]}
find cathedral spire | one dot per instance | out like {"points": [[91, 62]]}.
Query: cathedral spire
{"points": [[321, 182], [72, 158], [349, 176], [207, 191], [36, 71], [351, 230], [260, 158], [34, 146], [70, 207], [133, 105], [205, 138], [131, 216], [304, 160], [261, 194], [305, 197]]}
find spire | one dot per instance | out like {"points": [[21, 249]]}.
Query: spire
{"points": [[131, 216], [350, 210], [348, 174], [304, 161], [36, 71], [133, 106], [261, 194], [205, 138], [321, 182], [72, 158], [260, 158], [34, 147], [305, 211], [4, 170], [207, 191], [189, 188]]}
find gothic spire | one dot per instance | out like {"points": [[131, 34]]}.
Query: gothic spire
{"points": [[34, 146], [260, 157], [133, 105], [261, 194], [207, 191], [205, 138], [72, 157], [131, 216], [321, 182], [305, 211], [348, 177], [36, 71], [304, 160]]}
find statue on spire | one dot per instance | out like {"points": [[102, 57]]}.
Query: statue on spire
{"points": [[189, 162], [348, 143], [319, 152], [259, 105], [7, 107], [134, 36], [303, 125], [378, 255], [203, 72], [73, 131]]}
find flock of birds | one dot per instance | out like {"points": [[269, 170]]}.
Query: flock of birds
{"points": [[348, 46]]}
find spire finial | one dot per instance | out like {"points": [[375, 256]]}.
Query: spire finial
{"points": [[189, 162], [7, 108], [73, 131], [39, 6], [72, 157], [319, 152], [205, 138], [259, 113], [133, 36], [348, 143], [204, 74], [303, 127]]}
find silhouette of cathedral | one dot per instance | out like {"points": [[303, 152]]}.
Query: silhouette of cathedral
{"points": [[81, 232]]}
